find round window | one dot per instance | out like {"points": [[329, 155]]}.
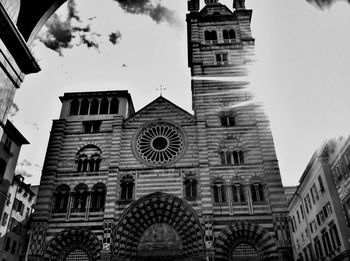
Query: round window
{"points": [[159, 143]]}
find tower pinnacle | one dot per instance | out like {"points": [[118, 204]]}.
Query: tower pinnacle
{"points": [[239, 4]]}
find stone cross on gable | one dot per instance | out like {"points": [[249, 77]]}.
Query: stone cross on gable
{"points": [[161, 89]]}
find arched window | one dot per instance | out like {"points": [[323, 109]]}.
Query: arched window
{"points": [[213, 35], [127, 188], [114, 106], [235, 158], [241, 157], [94, 107], [210, 35], [98, 197], [229, 34], [82, 165], [94, 163], [80, 198], [232, 34], [61, 198], [238, 193], [261, 189], [207, 35], [104, 106], [234, 193], [190, 187], [225, 34], [242, 193], [74, 107], [219, 192], [84, 108], [258, 192], [88, 159], [232, 157]]}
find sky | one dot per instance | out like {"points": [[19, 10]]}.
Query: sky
{"points": [[300, 72]]}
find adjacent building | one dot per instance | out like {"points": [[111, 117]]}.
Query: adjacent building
{"points": [[14, 220], [10, 146], [16, 60], [319, 227], [340, 166], [162, 183]]}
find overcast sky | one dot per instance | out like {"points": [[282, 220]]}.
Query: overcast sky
{"points": [[301, 72]]}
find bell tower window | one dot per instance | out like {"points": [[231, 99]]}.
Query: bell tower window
{"points": [[94, 107], [74, 107], [88, 159], [104, 106], [84, 109]]}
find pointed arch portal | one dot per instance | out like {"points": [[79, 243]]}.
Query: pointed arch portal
{"points": [[169, 214], [246, 237], [71, 243]]}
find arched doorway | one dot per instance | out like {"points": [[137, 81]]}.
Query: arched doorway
{"points": [[245, 241], [160, 242], [78, 244], [158, 226]]}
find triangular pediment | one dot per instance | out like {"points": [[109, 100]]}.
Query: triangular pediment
{"points": [[161, 109]]}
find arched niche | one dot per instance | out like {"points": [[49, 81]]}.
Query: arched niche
{"points": [[157, 208]]}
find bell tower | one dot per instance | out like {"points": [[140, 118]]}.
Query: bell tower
{"points": [[240, 178]]}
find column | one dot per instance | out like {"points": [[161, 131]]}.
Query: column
{"points": [[87, 205], [69, 207]]}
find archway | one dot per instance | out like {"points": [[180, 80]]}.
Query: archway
{"points": [[34, 14], [71, 243], [167, 213], [245, 241]]}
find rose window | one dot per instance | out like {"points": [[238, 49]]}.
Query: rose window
{"points": [[159, 143]]}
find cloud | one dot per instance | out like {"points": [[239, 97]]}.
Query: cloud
{"points": [[13, 110], [59, 33], [24, 163], [324, 3], [156, 11], [115, 37], [24, 173]]}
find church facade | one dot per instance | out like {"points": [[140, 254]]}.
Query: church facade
{"points": [[161, 183]]}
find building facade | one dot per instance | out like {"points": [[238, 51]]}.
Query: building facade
{"points": [[162, 183], [10, 146], [318, 224], [340, 166], [14, 220], [16, 60]]}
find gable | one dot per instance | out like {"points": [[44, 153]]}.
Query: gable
{"points": [[160, 109]]}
